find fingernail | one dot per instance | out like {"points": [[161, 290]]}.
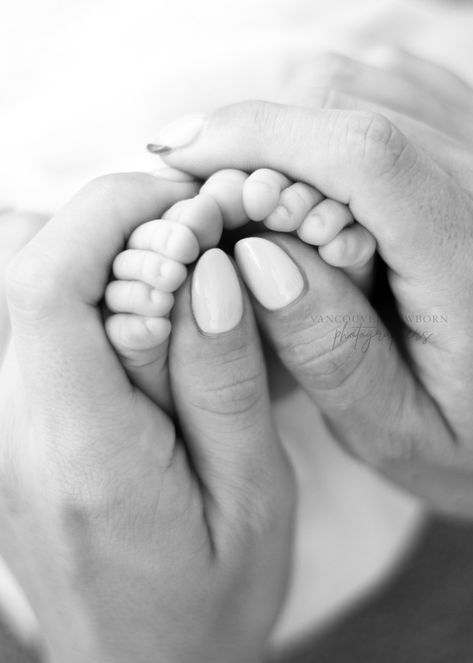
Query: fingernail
{"points": [[173, 174], [178, 134], [217, 301], [269, 272]]}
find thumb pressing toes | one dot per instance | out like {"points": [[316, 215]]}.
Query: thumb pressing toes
{"points": [[333, 342]]}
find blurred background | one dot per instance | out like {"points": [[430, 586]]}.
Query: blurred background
{"points": [[85, 84]]}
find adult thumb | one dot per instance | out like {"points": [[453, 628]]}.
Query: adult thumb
{"points": [[331, 339]]}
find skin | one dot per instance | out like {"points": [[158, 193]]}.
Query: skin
{"points": [[153, 264], [387, 176], [53, 288], [80, 442]]}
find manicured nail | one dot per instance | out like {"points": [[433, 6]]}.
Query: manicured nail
{"points": [[269, 272], [173, 174], [178, 134], [217, 301]]}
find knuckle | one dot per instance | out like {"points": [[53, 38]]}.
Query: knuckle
{"points": [[318, 359], [378, 143], [259, 114], [225, 380], [238, 397]]}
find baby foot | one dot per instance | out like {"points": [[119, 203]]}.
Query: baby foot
{"points": [[270, 197], [147, 273], [153, 265]]}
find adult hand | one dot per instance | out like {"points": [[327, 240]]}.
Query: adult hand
{"points": [[131, 544], [407, 413]]}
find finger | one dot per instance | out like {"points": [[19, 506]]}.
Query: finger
{"points": [[358, 158], [156, 270], [294, 204], [261, 192], [335, 345], [202, 216], [324, 222], [226, 188], [142, 345], [221, 396], [442, 146], [56, 284], [170, 239]]}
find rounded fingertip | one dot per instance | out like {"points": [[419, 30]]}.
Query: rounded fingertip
{"points": [[217, 301]]}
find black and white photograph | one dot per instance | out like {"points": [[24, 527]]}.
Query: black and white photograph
{"points": [[236, 331]]}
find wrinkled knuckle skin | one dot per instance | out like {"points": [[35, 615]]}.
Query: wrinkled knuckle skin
{"points": [[378, 143], [317, 360], [259, 114], [239, 397]]}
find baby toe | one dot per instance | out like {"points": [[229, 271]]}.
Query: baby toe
{"points": [[169, 238], [261, 192], [202, 216], [136, 338], [137, 297], [226, 188], [324, 222], [151, 268], [352, 247], [294, 204]]}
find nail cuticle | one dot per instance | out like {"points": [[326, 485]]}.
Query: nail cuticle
{"points": [[158, 149]]}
